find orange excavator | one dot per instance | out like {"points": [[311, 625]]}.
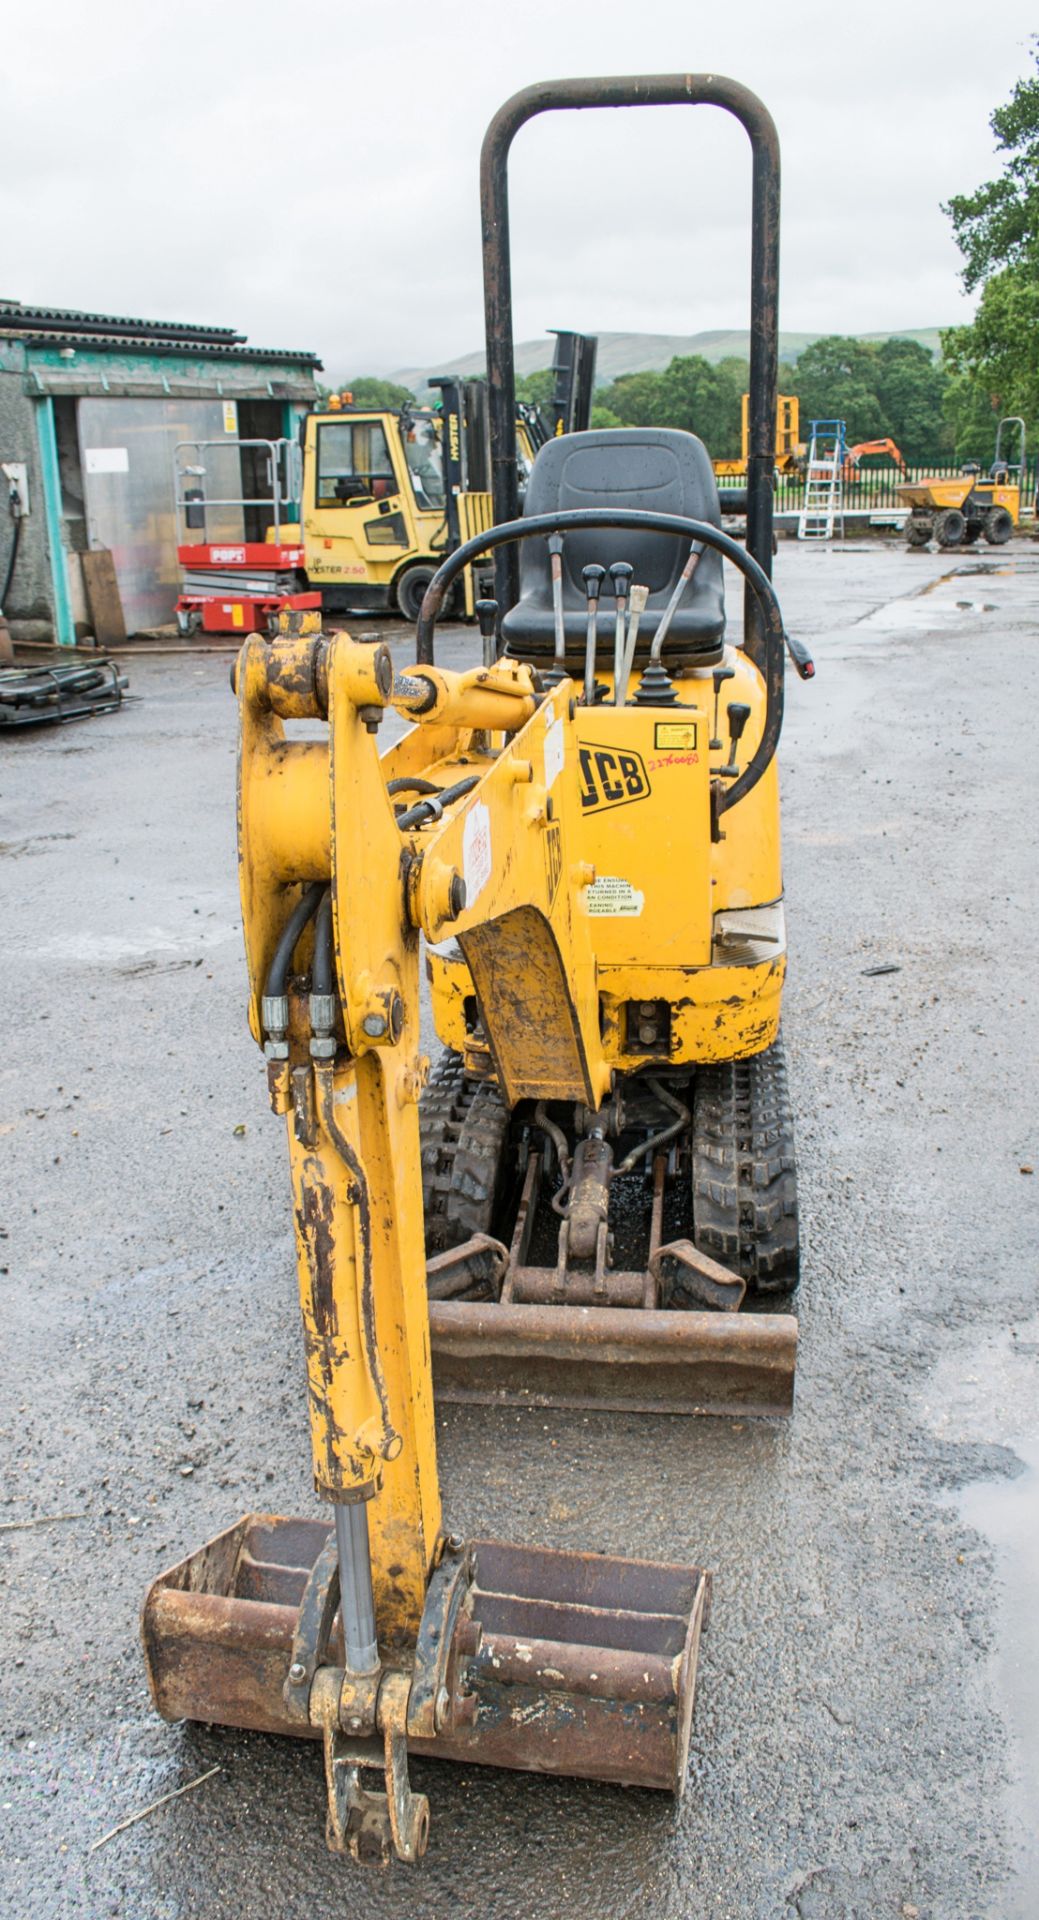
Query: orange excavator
{"points": [[853, 455]]}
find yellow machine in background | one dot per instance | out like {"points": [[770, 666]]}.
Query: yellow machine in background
{"points": [[582, 830], [957, 512], [789, 450]]}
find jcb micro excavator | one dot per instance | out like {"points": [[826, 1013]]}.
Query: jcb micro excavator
{"points": [[584, 828]]}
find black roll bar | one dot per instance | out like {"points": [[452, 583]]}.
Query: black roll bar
{"points": [[653, 90], [761, 592]]}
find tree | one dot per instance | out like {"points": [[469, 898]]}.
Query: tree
{"points": [[536, 389], [997, 231], [836, 379], [882, 390], [690, 393], [998, 226], [911, 390], [369, 391]]}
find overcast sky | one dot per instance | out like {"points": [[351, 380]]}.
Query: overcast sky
{"points": [[309, 174]]}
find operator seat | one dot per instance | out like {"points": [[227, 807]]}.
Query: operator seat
{"points": [[656, 469]]}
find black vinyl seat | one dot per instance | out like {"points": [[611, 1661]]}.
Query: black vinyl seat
{"points": [[657, 469]]}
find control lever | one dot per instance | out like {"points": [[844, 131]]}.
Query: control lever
{"points": [[719, 676], [636, 608], [593, 577], [738, 717], [557, 671], [804, 665], [487, 615], [620, 573]]}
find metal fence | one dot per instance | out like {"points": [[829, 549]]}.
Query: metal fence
{"points": [[875, 489]]}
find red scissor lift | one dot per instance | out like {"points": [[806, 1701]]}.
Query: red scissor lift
{"points": [[229, 585]]}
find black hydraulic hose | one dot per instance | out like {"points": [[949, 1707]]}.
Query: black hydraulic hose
{"points": [[432, 809], [12, 557], [657, 1139], [304, 910], [322, 972], [636, 520], [411, 783]]}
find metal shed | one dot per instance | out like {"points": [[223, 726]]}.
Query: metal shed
{"points": [[91, 410]]}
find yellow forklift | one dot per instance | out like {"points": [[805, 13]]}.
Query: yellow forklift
{"points": [[380, 498], [591, 1201]]}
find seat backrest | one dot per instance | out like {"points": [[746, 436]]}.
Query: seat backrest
{"points": [[657, 469]]}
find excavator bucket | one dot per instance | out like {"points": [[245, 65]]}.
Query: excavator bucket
{"points": [[567, 1663]]}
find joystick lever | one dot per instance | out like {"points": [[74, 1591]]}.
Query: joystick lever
{"points": [[738, 717], [487, 615], [719, 676], [593, 576]]}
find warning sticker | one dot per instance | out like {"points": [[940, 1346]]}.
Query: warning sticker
{"points": [[675, 733], [554, 748], [476, 852], [611, 896]]}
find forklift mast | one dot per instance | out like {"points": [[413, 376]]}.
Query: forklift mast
{"points": [[464, 446], [574, 367]]}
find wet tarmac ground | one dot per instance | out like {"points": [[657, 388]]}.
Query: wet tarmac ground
{"points": [[864, 1738]]}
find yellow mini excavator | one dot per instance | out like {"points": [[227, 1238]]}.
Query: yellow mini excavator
{"points": [[591, 1199]]}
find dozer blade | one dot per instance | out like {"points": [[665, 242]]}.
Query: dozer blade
{"points": [[630, 1360], [567, 1663]]}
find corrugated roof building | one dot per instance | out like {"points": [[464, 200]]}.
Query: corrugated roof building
{"points": [[93, 408]]}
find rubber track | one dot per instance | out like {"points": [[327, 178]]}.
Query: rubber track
{"points": [[463, 1126], [744, 1174]]}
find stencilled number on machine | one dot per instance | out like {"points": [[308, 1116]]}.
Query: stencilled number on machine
{"points": [[611, 777]]}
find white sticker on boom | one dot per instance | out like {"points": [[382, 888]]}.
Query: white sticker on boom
{"points": [[554, 748], [614, 897], [476, 852]]}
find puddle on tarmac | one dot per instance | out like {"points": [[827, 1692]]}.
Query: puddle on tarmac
{"points": [[1006, 1513]]}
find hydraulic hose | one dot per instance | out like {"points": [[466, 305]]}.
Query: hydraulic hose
{"points": [[304, 911], [322, 973], [657, 1139], [432, 809]]}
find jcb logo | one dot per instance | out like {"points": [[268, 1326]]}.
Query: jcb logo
{"points": [[610, 777]]}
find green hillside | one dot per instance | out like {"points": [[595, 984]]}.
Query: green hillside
{"points": [[646, 352]]}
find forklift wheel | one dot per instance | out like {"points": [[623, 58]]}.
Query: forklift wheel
{"points": [[999, 526], [410, 589], [949, 527]]}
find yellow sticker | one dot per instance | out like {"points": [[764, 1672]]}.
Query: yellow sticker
{"points": [[238, 616], [675, 733], [230, 416]]}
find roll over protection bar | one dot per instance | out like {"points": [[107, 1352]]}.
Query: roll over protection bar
{"points": [[770, 665], [649, 90]]}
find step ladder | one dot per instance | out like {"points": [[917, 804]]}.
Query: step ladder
{"points": [[824, 482]]}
